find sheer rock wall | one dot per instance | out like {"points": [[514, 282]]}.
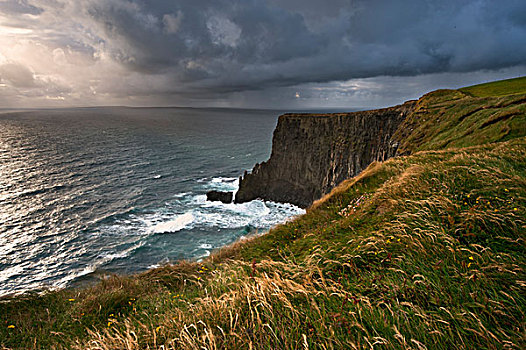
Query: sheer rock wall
{"points": [[312, 153]]}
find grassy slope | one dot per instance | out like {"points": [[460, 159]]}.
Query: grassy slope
{"points": [[419, 251], [450, 118], [497, 88]]}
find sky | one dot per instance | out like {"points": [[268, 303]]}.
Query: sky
{"points": [[252, 53]]}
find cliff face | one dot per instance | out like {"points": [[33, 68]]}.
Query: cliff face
{"points": [[312, 153]]}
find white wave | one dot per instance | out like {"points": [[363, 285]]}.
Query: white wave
{"points": [[205, 215], [205, 246], [223, 184], [160, 263], [63, 282], [223, 179], [74, 274], [199, 200], [105, 258], [112, 256], [175, 225], [255, 213], [202, 256]]}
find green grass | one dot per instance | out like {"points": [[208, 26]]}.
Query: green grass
{"points": [[421, 251], [449, 118], [497, 88]]}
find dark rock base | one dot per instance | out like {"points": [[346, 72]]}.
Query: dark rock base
{"points": [[225, 197]]}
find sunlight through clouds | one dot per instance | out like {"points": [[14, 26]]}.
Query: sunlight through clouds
{"points": [[249, 54]]}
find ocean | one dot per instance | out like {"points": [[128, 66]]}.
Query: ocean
{"points": [[89, 192]]}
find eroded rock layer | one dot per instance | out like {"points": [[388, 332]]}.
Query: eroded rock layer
{"points": [[312, 153]]}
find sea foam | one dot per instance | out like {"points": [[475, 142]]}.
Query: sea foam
{"points": [[175, 225]]}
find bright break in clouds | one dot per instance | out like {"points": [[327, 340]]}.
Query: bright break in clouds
{"points": [[252, 53]]}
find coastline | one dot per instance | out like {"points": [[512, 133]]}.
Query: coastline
{"points": [[404, 251]]}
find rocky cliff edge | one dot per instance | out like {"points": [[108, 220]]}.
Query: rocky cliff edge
{"points": [[312, 153]]}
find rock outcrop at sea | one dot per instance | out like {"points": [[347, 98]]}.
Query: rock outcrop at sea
{"points": [[225, 197], [313, 153]]}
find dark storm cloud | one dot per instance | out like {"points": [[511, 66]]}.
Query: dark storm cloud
{"points": [[205, 50], [236, 45], [209, 40]]}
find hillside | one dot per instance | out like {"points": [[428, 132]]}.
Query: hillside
{"points": [[450, 118], [424, 250]]}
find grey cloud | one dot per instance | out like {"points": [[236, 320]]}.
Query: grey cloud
{"points": [[19, 7], [253, 33], [17, 75], [274, 45], [172, 22], [374, 92]]}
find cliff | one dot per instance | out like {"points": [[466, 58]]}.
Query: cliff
{"points": [[312, 153]]}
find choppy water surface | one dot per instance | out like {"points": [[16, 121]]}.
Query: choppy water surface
{"points": [[89, 191]]}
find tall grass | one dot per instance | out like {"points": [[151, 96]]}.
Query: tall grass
{"points": [[432, 256]]}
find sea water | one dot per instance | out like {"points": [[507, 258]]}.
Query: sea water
{"points": [[85, 193]]}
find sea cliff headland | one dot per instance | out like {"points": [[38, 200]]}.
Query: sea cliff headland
{"points": [[420, 251], [313, 153]]}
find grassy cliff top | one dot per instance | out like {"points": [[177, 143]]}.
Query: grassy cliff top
{"points": [[421, 251], [452, 118], [497, 88]]}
